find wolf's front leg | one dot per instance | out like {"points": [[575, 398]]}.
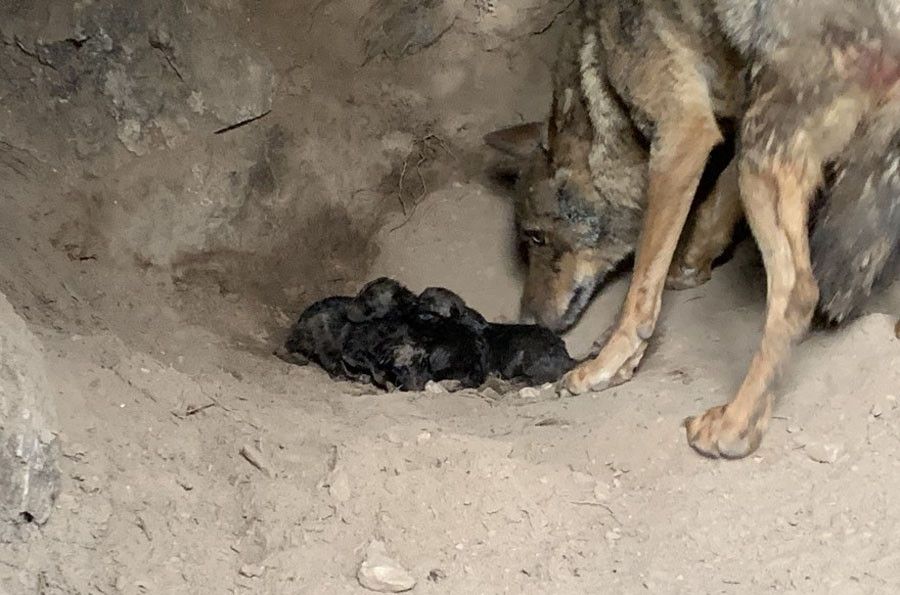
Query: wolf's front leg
{"points": [[678, 156]]}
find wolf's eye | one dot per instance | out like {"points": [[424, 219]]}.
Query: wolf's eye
{"points": [[535, 237]]}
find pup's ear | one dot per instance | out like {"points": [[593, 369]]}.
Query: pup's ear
{"points": [[521, 141]]}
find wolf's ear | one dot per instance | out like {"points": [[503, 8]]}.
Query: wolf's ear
{"points": [[521, 141]]}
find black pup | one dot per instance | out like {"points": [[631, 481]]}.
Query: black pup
{"points": [[389, 336], [524, 351], [527, 351], [319, 335]]}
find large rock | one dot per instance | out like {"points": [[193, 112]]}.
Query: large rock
{"points": [[29, 476]]}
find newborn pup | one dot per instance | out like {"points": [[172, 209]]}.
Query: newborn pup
{"points": [[387, 351], [406, 350], [403, 341], [319, 334], [528, 352]]}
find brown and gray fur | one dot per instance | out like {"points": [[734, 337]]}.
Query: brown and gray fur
{"points": [[581, 178], [821, 90]]}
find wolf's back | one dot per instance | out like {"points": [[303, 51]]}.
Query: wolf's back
{"points": [[761, 29]]}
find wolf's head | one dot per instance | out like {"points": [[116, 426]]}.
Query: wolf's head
{"points": [[578, 203]]}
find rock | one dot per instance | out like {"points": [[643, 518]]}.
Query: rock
{"points": [[381, 573], [434, 388], [823, 453], [451, 386], [529, 392], [490, 394], [601, 492], [29, 450], [613, 535], [252, 570]]}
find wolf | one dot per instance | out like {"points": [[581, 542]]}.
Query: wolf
{"points": [[642, 90]]}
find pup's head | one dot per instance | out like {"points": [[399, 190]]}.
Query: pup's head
{"points": [[445, 303], [576, 227], [379, 298]]}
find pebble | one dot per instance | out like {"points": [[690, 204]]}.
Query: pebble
{"points": [[381, 573], [823, 453], [491, 394], [252, 570], [529, 392], [434, 388]]}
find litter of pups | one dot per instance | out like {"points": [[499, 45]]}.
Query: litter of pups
{"points": [[394, 339]]}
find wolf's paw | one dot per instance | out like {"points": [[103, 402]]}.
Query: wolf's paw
{"points": [[614, 365], [682, 276], [721, 433]]}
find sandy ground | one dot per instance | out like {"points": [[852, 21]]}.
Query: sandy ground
{"points": [[162, 382]]}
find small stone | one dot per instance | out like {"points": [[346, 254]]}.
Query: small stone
{"points": [[876, 410], [490, 394], [794, 429], [252, 570], [601, 492], [381, 573], [434, 388], [423, 438], [451, 386], [529, 392], [823, 453], [74, 451]]}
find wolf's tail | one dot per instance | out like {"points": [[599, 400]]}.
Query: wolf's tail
{"points": [[855, 241]]}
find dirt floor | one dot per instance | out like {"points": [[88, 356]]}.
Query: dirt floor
{"points": [[196, 462]]}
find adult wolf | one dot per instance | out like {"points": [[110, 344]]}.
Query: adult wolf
{"points": [[813, 85]]}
